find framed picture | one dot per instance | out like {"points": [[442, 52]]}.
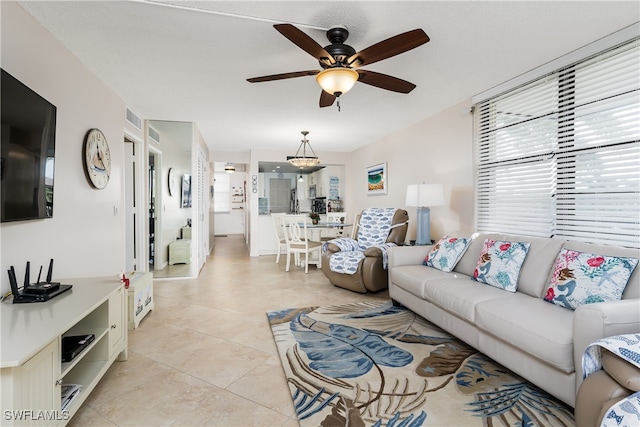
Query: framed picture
{"points": [[186, 190], [312, 191], [377, 179]]}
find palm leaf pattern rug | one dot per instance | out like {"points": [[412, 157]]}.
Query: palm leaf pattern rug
{"points": [[373, 364]]}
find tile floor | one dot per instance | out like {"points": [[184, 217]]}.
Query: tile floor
{"points": [[205, 356]]}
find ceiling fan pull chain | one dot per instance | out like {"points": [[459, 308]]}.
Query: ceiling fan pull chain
{"points": [[338, 104]]}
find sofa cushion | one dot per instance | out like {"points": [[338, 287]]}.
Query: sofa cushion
{"points": [[543, 330], [412, 278], [633, 285], [500, 262], [584, 278], [460, 297], [446, 253]]}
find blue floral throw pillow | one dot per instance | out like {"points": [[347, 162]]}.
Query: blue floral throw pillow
{"points": [[500, 262], [446, 253], [582, 278]]}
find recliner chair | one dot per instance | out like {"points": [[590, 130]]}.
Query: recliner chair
{"points": [[617, 380], [374, 228]]}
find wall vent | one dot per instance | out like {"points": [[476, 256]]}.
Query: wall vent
{"points": [[133, 119], [153, 134]]}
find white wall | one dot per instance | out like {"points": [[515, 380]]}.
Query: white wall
{"points": [[439, 149], [86, 234]]}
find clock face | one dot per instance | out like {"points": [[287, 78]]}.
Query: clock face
{"points": [[173, 183], [97, 158]]}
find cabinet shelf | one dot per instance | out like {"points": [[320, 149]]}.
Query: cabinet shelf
{"points": [[99, 334]]}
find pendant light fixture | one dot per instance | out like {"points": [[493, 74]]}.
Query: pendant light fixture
{"points": [[305, 156]]}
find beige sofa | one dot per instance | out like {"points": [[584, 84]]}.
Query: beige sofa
{"points": [[540, 341]]}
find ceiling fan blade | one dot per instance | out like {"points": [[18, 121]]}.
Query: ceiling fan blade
{"points": [[326, 99], [305, 43], [390, 47], [283, 76], [384, 81]]}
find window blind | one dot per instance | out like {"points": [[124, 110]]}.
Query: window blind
{"points": [[560, 155]]}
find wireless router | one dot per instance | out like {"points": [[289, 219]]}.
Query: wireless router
{"points": [[41, 287], [39, 292]]}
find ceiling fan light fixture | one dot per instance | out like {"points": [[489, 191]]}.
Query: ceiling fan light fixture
{"points": [[301, 159], [337, 80]]}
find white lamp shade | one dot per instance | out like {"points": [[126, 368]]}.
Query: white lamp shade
{"points": [[337, 80], [425, 195], [412, 195]]}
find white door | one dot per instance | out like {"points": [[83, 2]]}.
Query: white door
{"points": [[133, 208]]}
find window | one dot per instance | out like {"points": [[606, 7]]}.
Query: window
{"points": [[560, 155], [221, 192]]}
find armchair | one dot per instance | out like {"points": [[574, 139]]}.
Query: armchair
{"points": [[611, 389], [359, 263]]}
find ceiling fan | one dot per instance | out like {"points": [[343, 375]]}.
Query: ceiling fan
{"points": [[340, 62]]}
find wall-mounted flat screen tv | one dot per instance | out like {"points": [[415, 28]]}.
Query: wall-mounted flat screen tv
{"points": [[27, 148]]}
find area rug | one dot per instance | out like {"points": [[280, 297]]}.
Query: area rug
{"points": [[373, 364]]}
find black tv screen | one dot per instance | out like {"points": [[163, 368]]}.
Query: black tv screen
{"points": [[27, 147]]}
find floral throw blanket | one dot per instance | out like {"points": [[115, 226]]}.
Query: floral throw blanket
{"points": [[627, 411]]}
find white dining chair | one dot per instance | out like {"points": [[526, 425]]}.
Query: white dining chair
{"points": [[298, 242], [280, 237], [334, 232]]}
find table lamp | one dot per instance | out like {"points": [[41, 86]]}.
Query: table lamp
{"points": [[423, 196]]}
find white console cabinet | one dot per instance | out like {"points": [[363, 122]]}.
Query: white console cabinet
{"points": [[31, 369]]}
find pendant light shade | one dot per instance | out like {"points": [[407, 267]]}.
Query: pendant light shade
{"points": [[305, 156], [337, 80]]}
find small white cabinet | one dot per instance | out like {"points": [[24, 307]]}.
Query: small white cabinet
{"points": [[140, 297], [31, 369], [180, 252]]}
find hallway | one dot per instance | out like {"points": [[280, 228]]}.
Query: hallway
{"points": [[205, 356]]}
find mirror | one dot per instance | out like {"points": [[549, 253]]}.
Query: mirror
{"points": [[170, 211]]}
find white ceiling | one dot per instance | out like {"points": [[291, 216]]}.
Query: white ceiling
{"points": [[189, 65]]}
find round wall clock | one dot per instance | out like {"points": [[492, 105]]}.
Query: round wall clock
{"points": [[97, 158], [173, 183]]}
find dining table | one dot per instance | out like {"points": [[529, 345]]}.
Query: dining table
{"points": [[317, 229], [316, 233]]}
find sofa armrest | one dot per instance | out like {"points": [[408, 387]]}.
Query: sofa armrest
{"points": [[407, 255], [330, 247], [592, 322], [373, 252]]}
